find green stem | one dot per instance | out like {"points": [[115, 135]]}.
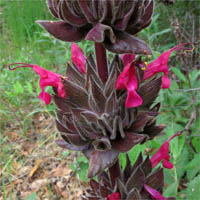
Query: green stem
{"points": [[101, 61]]}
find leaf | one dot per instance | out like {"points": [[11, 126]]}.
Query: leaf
{"points": [[179, 74], [32, 196], [171, 190], [83, 171], [196, 142], [29, 87], [63, 31], [135, 151], [35, 168], [159, 33], [193, 192], [18, 89], [193, 167], [122, 157]]}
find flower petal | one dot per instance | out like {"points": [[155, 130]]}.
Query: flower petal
{"points": [[47, 78], [165, 82], [160, 65], [133, 99], [78, 58], [163, 154], [127, 58], [113, 196], [46, 97], [123, 78], [154, 193], [167, 164]]}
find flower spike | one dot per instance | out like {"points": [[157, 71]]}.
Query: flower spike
{"points": [[47, 78]]}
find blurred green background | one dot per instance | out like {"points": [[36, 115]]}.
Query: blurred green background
{"points": [[22, 40]]}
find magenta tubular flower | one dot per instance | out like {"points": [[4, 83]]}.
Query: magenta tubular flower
{"points": [[154, 193], [47, 78], [160, 65], [78, 58], [128, 80], [163, 154], [113, 196]]}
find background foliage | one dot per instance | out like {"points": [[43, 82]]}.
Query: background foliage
{"points": [[22, 40]]}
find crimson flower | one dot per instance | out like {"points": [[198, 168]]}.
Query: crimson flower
{"points": [[128, 77], [47, 78], [154, 193], [163, 154], [113, 196], [128, 80], [160, 65], [78, 58]]}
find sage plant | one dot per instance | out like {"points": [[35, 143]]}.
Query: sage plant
{"points": [[105, 107]]}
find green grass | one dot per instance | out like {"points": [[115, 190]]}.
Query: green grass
{"points": [[22, 40]]}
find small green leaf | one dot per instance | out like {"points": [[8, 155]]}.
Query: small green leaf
{"points": [[171, 190], [193, 167], [18, 88], [196, 142], [135, 151], [179, 74], [122, 157], [193, 192], [29, 87], [83, 171]]}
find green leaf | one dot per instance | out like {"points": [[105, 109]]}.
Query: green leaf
{"points": [[83, 172], [171, 190], [18, 89], [193, 167], [193, 192], [179, 74], [29, 87], [196, 142], [122, 158], [32, 196], [135, 151], [182, 161]]}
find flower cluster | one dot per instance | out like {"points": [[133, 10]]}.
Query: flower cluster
{"points": [[112, 23], [134, 182]]}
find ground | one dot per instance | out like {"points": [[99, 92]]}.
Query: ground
{"points": [[40, 169]]}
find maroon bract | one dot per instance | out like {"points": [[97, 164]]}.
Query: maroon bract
{"points": [[112, 23], [135, 182], [93, 117]]}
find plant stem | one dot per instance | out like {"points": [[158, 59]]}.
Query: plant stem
{"points": [[101, 61]]}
